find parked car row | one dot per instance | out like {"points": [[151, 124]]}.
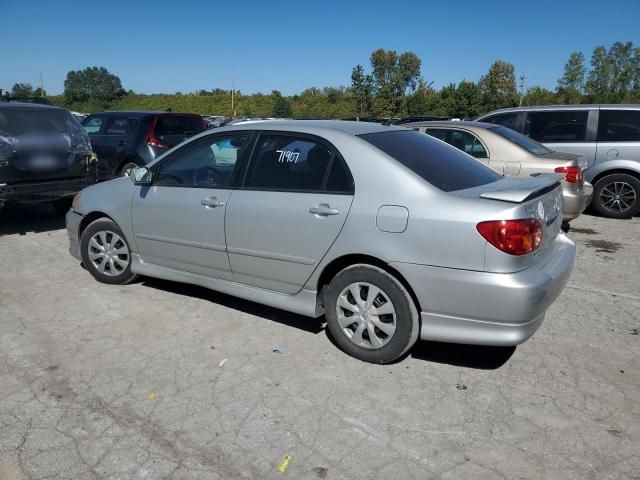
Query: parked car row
{"points": [[607, 136]]}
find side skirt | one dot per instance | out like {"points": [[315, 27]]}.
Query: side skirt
{"points": [[304, 302]]}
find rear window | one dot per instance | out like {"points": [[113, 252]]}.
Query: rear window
{"points": [[19, 121], [443, 166], [178, 125], [521, 140], [557, 127], [619, 126]]}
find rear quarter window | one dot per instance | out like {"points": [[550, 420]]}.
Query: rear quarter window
{"points": [[443, 166]]}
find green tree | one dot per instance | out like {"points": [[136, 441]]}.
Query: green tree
{"points": [[467, 101], [93, 84], [598, 85], [498, 86], [393, 75], [281, 107], [539, 96], [22, 91], [362, 87], [423, 100], [571, 84]]}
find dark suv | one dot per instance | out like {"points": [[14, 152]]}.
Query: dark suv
{"points": [[124, 140], [45, 155]]}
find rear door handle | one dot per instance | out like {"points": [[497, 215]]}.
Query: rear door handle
{"points": [[211, 202], [324, 210]]}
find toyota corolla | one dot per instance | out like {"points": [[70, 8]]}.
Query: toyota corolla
{"points": [[391, 234]]}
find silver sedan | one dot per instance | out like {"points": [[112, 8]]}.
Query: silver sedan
{"points": [[391, 234]]}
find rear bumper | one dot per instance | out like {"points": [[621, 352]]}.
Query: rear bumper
{"points": [[575, 200], [44, 191], [73, 221], [484, 308]]}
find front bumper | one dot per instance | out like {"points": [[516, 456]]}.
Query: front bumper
{"points": [[73, 220], [44, 191], [482, 308]]}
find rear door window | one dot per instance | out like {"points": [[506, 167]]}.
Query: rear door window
{"points": [[441, 165], [288, 163], [464, 141], [117, 126], [509, 120], [557, 127], [619, 126]]}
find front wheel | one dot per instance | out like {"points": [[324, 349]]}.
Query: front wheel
{"points": [[616, 196], [105, 253], [370, 315]]}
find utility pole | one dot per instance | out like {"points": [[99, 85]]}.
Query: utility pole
{"points": [[522, 82], [233, 79], [41, 85]]}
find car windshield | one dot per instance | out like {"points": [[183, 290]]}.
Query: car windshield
{"points": [[19, 121], [521, 140], [443, 166], [178, 125]]}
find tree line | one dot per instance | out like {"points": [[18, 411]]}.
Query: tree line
{"points": [[392, 86]]}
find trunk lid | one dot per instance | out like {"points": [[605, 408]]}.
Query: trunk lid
{"points": [[538, 197]]}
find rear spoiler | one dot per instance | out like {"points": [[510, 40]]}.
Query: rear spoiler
{"points": [[518, 190]]}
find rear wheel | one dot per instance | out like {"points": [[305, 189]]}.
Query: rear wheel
{"points": [[616, 196], [105, 253], [370, 314]]}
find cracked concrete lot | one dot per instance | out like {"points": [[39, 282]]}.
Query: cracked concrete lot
{"points": [[160, 380]]}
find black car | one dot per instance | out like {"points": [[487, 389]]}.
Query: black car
{"points": [[124, 140], [45, 155]]}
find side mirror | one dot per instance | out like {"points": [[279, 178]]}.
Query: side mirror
{"points": [[141, 176]]}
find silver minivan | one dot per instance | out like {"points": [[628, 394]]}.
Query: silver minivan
{"points": [[608, 136]]}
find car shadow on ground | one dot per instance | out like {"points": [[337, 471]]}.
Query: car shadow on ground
{"points": [[29, 218], [311, 325], [470, 356], [480, 357]]}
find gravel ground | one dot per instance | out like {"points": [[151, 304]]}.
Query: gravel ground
{"points": [[161, 380]]}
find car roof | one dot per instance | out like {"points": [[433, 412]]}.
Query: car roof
{"points": [[319, 126], [143, 112], [566, 107], [20, 105], [451, 124]]}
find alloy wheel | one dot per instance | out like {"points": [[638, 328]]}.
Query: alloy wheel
{"points": [[618, 197]]}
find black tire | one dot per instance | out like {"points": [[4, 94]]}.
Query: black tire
{"points": [[62, 205], [120, 275], [407, 322], [605, 189]]}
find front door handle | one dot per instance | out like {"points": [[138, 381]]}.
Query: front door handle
{"points": [[211, 202], [324, 210]]}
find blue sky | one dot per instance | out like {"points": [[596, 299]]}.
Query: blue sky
{"points": [[159, 46]]}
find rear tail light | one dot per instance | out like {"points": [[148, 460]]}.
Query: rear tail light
{"points": [[572, 174], [151, 136], [515, 237]]}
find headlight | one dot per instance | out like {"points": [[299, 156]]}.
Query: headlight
{"points": [[75, 203]]}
